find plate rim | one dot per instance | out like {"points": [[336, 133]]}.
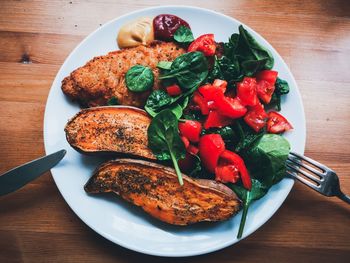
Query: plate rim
{"points": [[120, 241]]}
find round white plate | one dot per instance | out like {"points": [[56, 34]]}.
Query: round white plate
{"points": [[121, 222]]}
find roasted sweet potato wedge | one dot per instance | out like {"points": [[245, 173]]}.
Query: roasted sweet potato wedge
{"points": [[110, 129], [155, 188]]}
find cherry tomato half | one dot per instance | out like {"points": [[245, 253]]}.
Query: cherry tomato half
{"points": [[210, 147], [256, 117], [246, 91], [216, 120], [234, 159], [230, 107], [276, 123], [205, 44], [190, 129], [173, 90]]}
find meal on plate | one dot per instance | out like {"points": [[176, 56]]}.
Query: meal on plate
{"points": [[194, 122]]}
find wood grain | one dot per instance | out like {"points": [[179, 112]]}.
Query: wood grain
{"points": [[36, 225]]}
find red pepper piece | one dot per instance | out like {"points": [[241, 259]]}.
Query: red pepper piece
{"points": [[268, 75], [185, 141]]}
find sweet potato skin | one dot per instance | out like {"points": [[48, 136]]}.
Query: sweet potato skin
{"points": [[110, 129], [155, 188]]}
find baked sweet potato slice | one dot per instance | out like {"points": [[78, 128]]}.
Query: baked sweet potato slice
{"points": [[110, 129], [155, 188]]}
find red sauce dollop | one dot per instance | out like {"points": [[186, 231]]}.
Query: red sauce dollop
{"points": [[165, 26]]}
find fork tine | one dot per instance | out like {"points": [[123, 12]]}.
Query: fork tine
{"points": [[307, 167], [311, 177], [309, 160], [303, 180]]}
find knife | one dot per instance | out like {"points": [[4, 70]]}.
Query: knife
{"points": [[21, 175]]}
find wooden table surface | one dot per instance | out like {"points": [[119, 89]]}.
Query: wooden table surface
{"points": [[313, 37]]}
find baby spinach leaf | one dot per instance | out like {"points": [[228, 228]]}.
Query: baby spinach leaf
{"points": [[112, 101], [139, 78], [164, 139], [246, 136], [165, 65], [225, 68], [189, 69], [183, 35], [266, 159], [257, 191], [250, 50], [159, 100]]}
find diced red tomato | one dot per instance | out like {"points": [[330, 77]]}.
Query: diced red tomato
{"points": [[187, 164], [226, 173], [211, 105], [204, 43], [219, 83], [234, 159], [268, 75], [246, 91], [201, 102], [229, 107], [265, 90], [211, 146], [276, 123], [192, 149], [190, 129], [173, 90], [256, 117], [216, 120], [210, 92], [185, 141]]}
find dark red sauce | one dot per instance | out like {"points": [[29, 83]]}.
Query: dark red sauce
{"points": [[165, 26]]}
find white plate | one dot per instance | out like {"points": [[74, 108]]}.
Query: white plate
{"points": [[122, 223]]}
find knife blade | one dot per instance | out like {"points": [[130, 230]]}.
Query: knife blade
{"points": [[21, 175]]}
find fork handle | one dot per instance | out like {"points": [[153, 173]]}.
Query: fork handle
{"points": [[344, 197]]}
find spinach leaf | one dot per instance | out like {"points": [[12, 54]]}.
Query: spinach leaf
{"points": [[225, 68], [139, 78], [246, 136], [281, 88], [159, 100], [266, 159], [245, 56], [183, 35], [257, 191], [112, 101], [189, 69], [165, 65], [251, 52], [164, 139]]}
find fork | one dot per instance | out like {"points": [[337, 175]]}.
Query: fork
{"points": [[315, 175]]}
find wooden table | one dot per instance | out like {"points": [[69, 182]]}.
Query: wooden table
{"points": [[313, 37]]}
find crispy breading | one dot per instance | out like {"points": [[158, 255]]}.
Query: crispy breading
{"points": [[103, 77]]}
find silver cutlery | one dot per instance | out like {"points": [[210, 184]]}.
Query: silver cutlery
{"points": [[22, 175], [315, 175]]}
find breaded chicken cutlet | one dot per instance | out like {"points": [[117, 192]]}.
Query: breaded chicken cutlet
{"points": [[103, 77]]}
